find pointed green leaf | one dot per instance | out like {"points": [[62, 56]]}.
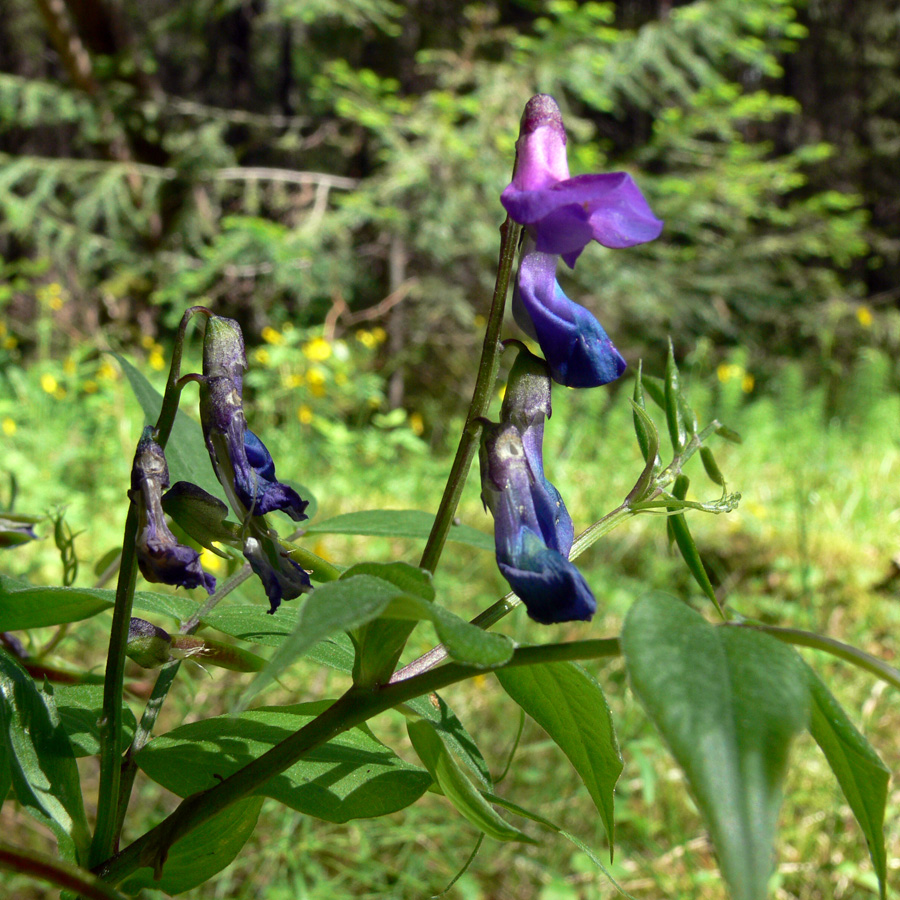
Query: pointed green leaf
{"points": [[379, 643], [728, 704], [204, 852], [655, 388], [333, 607], [711, 467], [42, 766], [674, 412], [861, 774], [569, 705], [352, 776], [456, 786], [453, 734], [409, 523], [80, 708]]}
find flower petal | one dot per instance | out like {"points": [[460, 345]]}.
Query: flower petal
{"points": [[551, 588], [577, 349]]}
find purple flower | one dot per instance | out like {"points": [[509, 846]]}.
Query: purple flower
{"points": [[526, 404], [565, 214], [578, 350], [530, 544], [561, 215], [160, 557], [281, 577], [242, 463]]}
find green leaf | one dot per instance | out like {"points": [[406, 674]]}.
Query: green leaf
{"points": [[80, 707], [453, 734], [24, 605], [456, 786], [674, 412], [409, 523], [186, 451], [861, 774], [728, 704], [204, 852], [379, 643], [681, 534], [353, 776], [333, 607], [648, 438], [569, 705], [43, 770], [28, 606]]}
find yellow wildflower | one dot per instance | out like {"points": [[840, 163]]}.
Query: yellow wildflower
{"points": [[291, 380], [416, 423], [9, 426], [367, 339], [210, 561], [157, 360], [49, 383], [272, 336], [748, 382], [90, 386], [318, 349], [305, 414], [864, 316], [107, 371], [262, 356], [147, 341], [315, 378]]}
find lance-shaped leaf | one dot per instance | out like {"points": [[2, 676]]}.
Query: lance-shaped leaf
{"points": [[728, 704], [352, 776], [456, 786], [862, 776], [42, 766], [569, 705], [202, 853]]}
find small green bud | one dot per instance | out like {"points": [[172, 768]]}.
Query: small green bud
{"points": [[148, 645]]}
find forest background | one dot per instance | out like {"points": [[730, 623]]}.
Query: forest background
{"points": [[328, 174]]}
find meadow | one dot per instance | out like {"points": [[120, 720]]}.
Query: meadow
{"points": [[812, 545]]}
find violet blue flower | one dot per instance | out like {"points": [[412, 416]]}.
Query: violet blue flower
{"points": [[241, 461], [526, 404], [564, 214], [561, 216], [578, 350], [530, 554], [160, 557]]}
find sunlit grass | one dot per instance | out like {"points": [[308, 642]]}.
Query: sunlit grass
{"points": [[809, 545]]}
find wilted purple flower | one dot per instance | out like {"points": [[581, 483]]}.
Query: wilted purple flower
{"points": [[564, 214], [561, 215], [242, 463], [531, 552], [160, 557], [281, 577]]}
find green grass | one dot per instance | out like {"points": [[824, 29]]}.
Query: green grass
{"points": [[812, 539]]}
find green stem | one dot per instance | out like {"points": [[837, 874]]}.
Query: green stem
{"points": [[481, 400], [110, 726], [353, 708], [172, 395], [846, 652]]}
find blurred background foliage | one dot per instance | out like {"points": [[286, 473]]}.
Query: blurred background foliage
{"points": [[334, 165]]}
